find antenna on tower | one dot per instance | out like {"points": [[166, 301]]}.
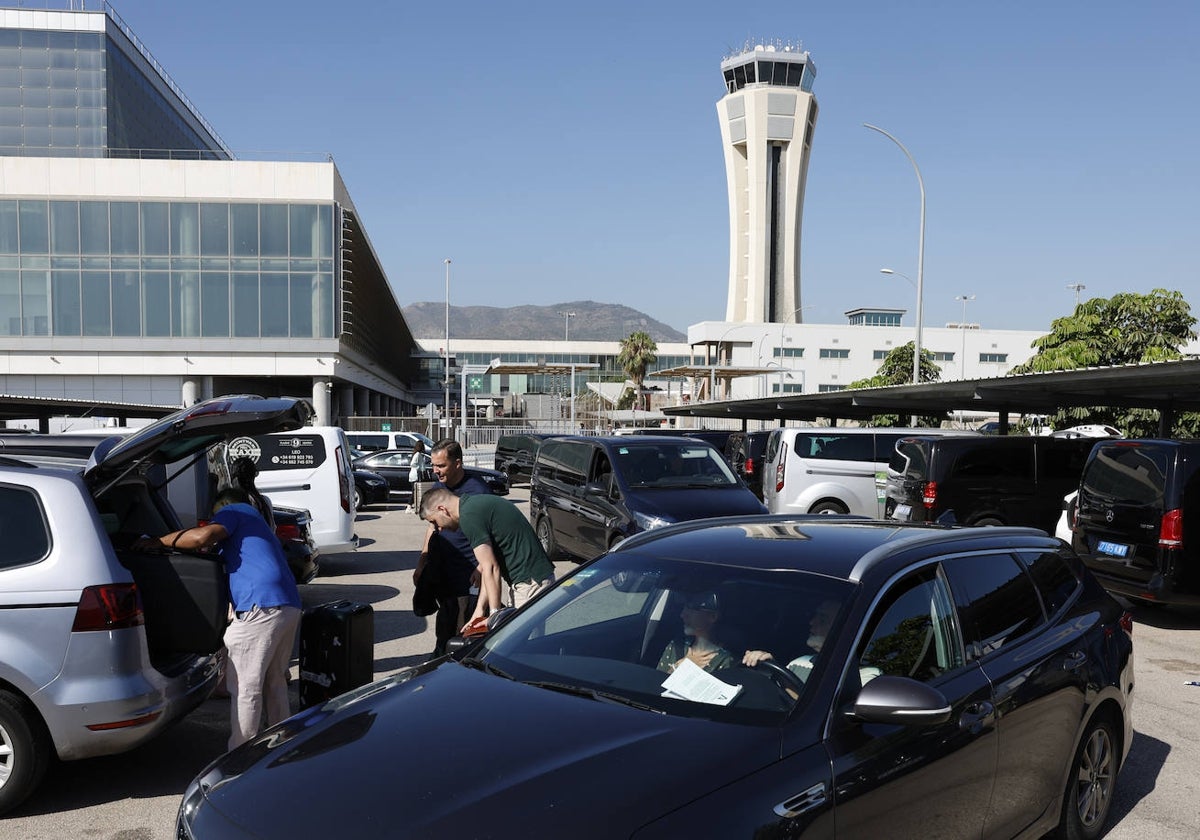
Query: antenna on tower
{"points": [[1076, 288]]}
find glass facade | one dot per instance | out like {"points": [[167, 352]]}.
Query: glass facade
{"points": [[608, 371], [78, 94], [167, 269]]}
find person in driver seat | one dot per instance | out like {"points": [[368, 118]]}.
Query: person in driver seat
{"points": [[700, 614]]}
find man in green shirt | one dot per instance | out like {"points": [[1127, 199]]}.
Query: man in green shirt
{"points": [[503, 541]]}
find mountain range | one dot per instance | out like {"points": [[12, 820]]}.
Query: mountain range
{"points": [[591, 321]]}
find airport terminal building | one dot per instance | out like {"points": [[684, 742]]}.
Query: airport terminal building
{"points": [[140, 262]]}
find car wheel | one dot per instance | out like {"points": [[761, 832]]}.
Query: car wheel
{"points": [[829, 507], [358, 499], [24, 751], [1088, 797], [545, 535]]}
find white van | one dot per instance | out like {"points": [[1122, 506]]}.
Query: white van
{"points": [[375, 441], [307, 468], [831, 469]]}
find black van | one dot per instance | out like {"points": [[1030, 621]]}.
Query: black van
{"points": [[589, 493], [514, 455], [1017, 480], [744, 451], [1138, 500]]}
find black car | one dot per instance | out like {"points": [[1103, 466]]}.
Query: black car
{"points": [[515, 454], [293, 526], [744, 451], [394, 465], [589, 493], [983, 480], [1136, 521], [965, 682], [370, 488]]}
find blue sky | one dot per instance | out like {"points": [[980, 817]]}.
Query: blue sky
{"points": [[559, 151]]}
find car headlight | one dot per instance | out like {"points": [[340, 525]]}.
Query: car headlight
{"points": [[192, 799], [648, 523]]}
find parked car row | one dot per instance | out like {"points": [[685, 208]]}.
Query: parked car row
{"points": [[394, 467]]}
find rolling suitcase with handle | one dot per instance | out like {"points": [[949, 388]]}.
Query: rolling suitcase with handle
{"points": [[337, 650]]}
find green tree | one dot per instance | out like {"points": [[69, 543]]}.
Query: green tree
{"points": [[636, 355], [1127, 328], [897, 369]]}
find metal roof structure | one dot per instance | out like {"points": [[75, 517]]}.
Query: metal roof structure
{"points": [[1169, 387], [19, 407]]}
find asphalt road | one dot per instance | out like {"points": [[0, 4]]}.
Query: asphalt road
{"points": [[135, 796]]}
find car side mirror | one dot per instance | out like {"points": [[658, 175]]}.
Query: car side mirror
{"points": [[900, 701]]}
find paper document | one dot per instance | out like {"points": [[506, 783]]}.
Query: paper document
{"points": [[691, 682]]}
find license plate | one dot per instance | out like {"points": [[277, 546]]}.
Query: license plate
{"points": [[1112, 549], [901, 512]]}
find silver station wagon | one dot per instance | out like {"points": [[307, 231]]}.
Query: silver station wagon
{"points": [[102, 647]]}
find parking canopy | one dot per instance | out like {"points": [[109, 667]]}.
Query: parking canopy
{"points": [[1169, 387]]}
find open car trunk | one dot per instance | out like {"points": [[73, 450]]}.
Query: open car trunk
{"points": [[186, 601]]}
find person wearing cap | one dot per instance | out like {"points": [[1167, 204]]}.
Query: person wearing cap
{"points": [[700, 614]]}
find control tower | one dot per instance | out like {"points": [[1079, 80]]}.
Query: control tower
{"points": [[767, 119]]}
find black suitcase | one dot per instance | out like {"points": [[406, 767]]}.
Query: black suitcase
{"points": [[337, 650]]}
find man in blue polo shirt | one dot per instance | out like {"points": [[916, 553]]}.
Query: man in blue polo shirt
{"points": [[266, 608]]}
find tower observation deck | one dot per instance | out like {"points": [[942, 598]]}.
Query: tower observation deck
{"points": [[767, 118]]}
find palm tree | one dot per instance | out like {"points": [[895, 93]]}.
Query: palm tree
{"points": [[637, 354]]}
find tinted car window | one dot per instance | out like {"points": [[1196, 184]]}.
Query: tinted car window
{"points": [[911, 633], [669, 464], [885, 446], [996, 599], [566, 462], [837, 447], [1128, 474], [1054, 578], [909, 459], [1057, 462], [23, 531], [994, 462]]}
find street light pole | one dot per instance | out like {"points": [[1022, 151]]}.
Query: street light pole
{"points": [[920, 255], [962, 327], [567, 316], [446, 370]]}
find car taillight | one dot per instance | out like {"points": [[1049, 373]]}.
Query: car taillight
{"points": [[779, 476], [343, 482], [287, 532], [112, 606], [1126, 622], [748, 467], [1170, 532], [929, 494]]}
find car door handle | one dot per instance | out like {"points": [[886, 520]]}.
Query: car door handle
{"points": [[1075, 661], [977, 715]]}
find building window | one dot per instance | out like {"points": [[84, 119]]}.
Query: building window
{"points": [[999, 358], [834, 353], [127, 268], [879, 355], [829, 389], [788, 388], [788, 352], [942, 356]]}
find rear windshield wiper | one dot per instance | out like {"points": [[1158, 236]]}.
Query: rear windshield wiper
{"points": [[487, 667], [593, 694]]}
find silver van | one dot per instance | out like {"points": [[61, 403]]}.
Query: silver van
{"points": [[102, 647], [831, 469]]}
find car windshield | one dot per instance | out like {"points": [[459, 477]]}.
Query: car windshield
{"points": [[666, 464], [671, 636]]}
